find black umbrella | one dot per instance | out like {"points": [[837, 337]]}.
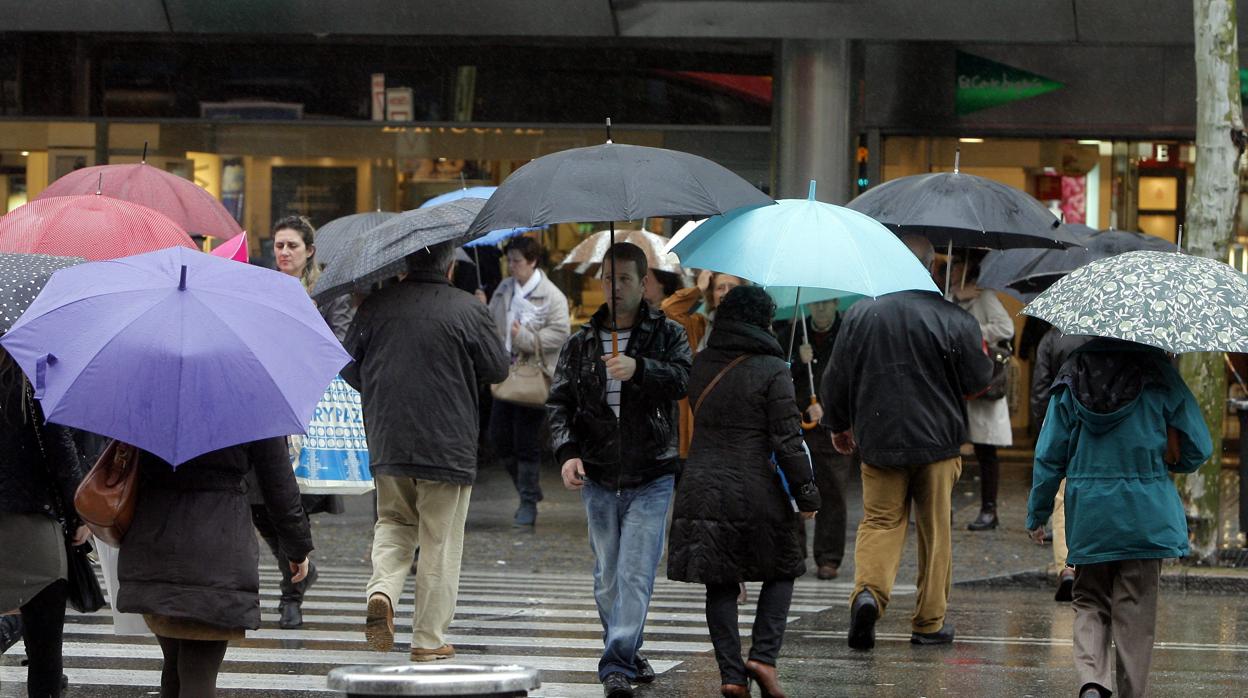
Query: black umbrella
{"points": [[614, 182], [1026, 272], [22, 277], [382, 252], [335, 235], [953, 209]]}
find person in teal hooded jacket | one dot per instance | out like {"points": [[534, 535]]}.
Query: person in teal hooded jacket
{"points": [[1119, 422]]}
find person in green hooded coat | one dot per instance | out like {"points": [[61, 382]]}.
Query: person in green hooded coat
{"points": [[1119, 422]]}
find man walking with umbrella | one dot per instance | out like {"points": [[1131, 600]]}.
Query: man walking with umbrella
{"points": [[421, 348], [613, 427], [911, 344]]}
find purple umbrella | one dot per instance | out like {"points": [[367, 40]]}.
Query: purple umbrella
{"points": [[176, 352]]}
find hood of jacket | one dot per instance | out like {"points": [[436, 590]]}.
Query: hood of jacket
{"points": [[732, 337], [1106, 376]]}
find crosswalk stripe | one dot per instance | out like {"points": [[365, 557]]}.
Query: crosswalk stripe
{"points": [[546, 621]]}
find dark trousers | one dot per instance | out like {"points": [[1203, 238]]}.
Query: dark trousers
{"points": [[516, 433], [43, 622], [831, 474], [989, 474], [766, 636], [190, 667], [291, 592]]}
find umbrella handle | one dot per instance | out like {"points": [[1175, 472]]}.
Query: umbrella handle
{"points": [[615, 343], [814, 400]]}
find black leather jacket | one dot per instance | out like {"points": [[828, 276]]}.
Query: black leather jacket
{"points": [[643, 443], [902, 368], [38, 461]]}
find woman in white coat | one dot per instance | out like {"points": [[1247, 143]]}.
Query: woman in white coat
{"points": [[988, 420], [531, 316]]}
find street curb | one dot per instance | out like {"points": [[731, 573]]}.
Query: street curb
{"points": [[1204, 580]]}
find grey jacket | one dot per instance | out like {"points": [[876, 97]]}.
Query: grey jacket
{"points": [[551, 328], [421, 348]]}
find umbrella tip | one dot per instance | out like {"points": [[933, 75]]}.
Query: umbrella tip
{"points": [[182, 281], [99, 185], [957, 159], [144, 161], [810, 193], [609, 130]]}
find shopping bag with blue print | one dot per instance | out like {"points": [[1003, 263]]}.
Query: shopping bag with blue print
{"points": [[332, 457]]}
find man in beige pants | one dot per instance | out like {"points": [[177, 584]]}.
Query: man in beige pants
{"points": [[901, 370], [421, 350]]}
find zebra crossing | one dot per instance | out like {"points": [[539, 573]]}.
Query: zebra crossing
{"points": [[546, 621]]}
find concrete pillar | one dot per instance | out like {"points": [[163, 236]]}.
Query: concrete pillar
{"points": [[813, 106]]}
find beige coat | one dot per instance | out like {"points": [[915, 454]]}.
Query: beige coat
{"points": [[551, 327], [988, 421]]}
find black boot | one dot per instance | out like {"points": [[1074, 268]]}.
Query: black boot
{"points": [[986, 520], [291, 606]]}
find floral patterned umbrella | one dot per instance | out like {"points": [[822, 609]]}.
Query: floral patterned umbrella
{"points": [[1173, 301], [586, 258]]}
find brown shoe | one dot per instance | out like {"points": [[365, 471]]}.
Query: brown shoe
{"points": [[420, 654], [828, 571], [766, 678], [734, 690], [379, 623]]}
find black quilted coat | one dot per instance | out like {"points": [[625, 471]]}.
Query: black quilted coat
{"points": [[191, 551], [732, 521]]}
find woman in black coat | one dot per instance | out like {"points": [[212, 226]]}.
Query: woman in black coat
{"points": [[190, 562], [732, 521], [39, 472]]}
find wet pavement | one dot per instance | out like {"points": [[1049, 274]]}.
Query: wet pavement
{"points": [[526, 597]]}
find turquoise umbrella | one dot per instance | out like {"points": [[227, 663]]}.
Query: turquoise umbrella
{"points": [[815, 250], [807, 244]]}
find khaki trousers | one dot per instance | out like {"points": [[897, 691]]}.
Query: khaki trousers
{"points": [[1059, 528], [1116, 600], [429, 514], [887, 494]]}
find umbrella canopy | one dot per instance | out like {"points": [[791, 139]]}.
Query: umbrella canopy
{"points": [[808, 244], [336, 235], [235, 248], [382, 252], [185, 202], [94, 227], [613, 182], [962, 210], [586, 257], [685, 231], [1027, 272], [176, 352], [493, 237], [22, 277], [1173, 301]]}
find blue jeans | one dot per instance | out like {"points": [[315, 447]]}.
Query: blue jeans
{"points": [[627, 529]]}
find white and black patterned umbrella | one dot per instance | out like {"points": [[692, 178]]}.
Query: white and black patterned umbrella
{"points": [[586, 258], [22, 277], [382, 252], [1168, 300]]}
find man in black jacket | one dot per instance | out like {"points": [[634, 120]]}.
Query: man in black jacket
{"points": [[901, 371], [421, 348], [613, 426]]}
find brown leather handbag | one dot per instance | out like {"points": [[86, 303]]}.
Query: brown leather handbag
{"points": [[105, 500]]}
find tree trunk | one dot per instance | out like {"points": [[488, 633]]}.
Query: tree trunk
{"points": [[1210, 225]]}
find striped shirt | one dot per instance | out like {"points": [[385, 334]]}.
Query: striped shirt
{"points": [[613, 386]]}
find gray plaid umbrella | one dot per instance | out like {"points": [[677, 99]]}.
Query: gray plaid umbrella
{"points": [[333, 237], [1173, 301], [22, 277], [1027, 272], [381, 252]]}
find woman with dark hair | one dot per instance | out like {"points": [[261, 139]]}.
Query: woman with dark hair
{"points": [[39, 473], [531, 316], [733, 521]]}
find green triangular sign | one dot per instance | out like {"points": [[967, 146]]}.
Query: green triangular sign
{"points": [[982, 84]]}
